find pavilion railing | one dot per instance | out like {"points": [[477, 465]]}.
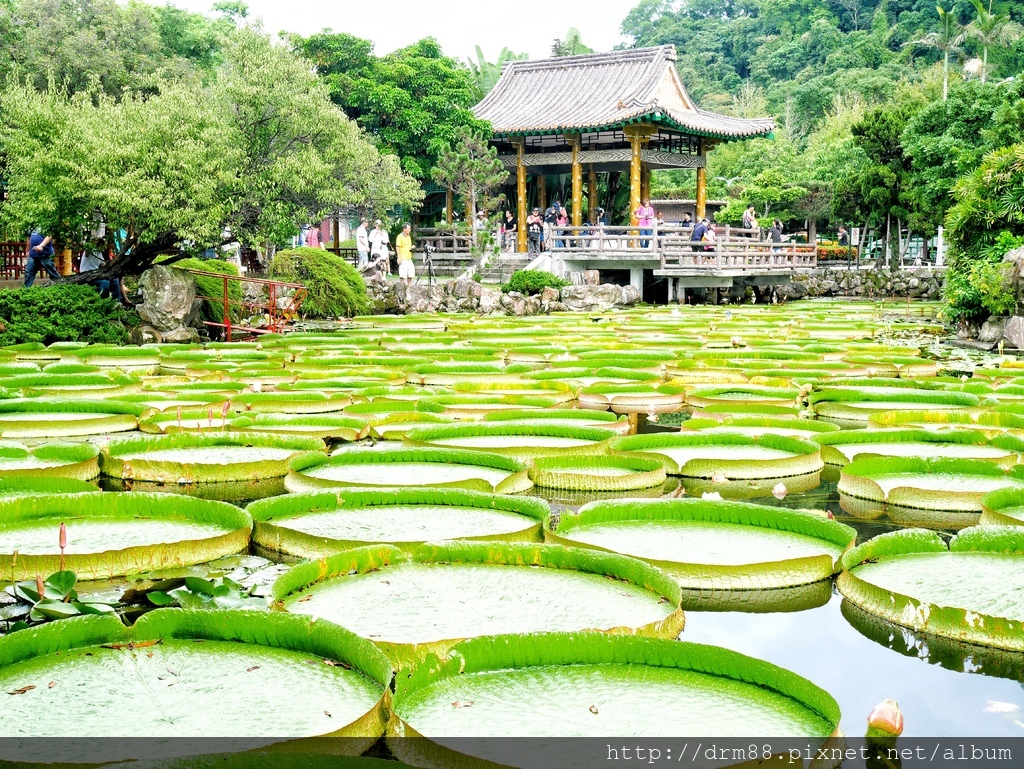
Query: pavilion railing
{"points": [[736, 255]]}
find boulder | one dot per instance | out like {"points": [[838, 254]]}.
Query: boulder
{"points": [[182, 335], [598, 298], [1015, 258], [141, 335], [549, 295], [591, 277], [532, 305], [992, 329], [489, 302], [1013, 332], [168, 295]]}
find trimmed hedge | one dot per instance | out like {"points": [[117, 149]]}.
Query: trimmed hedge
{"points": [[62, 313], [532, 282], [336, 290]]}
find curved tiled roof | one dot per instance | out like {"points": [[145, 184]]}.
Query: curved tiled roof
{"points": [[603, 90]]}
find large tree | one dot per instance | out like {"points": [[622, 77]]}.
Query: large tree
{"points": [[413, 101], [472, 170], [248, 157]]}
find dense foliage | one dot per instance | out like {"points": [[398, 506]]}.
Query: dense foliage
{"points": [[532, 282], [248, 156], [212, 287], [336, 290], [413, 101], [62, 313]]}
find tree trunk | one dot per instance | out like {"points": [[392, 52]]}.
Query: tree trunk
{"points": [[812, 231], [887, 260], [945, 76], [984, 64]]}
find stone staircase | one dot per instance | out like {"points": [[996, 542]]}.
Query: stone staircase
{"points": [[499, 270]]}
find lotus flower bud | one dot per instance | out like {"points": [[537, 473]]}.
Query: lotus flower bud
{"points": [[718, 477], [209, 415], [885, 720], [711, 496], [779, 490], [736, 341], [179, 416], [63, 541], [224, 409], [40, 588]]}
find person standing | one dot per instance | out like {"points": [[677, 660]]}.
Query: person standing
{"points": [[645, 218], [775, 234], [39, 255], [313, 239], [534, 230], [550, 223], [403, 248], [844, 237], [379, 243], [697, 234], [510, 229], [750, 222], [362, 245]]}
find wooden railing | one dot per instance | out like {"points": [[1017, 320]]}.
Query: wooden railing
{"points": [[600, 239], [438, 241], [738, 255], [12, 259]]}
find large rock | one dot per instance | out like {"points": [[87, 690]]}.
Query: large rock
{"points": [[599, 298], [168, 295], [992, 329], [549, 295], [1014, 276], [1013, 332]]}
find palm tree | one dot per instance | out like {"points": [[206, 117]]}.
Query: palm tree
{"points": [[991, 29], [948, 39]]}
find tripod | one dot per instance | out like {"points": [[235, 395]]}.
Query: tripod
{"points": [[428, 263]]}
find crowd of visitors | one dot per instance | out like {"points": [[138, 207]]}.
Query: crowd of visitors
{"points": [[96, 254]]}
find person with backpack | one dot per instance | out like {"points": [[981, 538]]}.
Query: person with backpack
{"points": [[551, 214], [534, 231]]}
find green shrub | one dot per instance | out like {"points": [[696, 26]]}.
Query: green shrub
{"points": [[532, 282], [62, 313], [206, 286], [976, 285], [336, 290]]}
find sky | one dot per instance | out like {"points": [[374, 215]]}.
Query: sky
{"points": [[459, 25]]}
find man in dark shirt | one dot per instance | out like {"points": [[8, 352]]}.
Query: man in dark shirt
{"points": [[697, 234], [40, 256]]}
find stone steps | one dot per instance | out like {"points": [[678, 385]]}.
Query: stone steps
{"points": [[501, 270]]}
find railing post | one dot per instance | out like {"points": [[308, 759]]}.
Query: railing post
{"points": [[227, 311]]}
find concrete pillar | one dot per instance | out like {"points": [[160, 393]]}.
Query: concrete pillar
{"points": [[671, 286], [636, 278]]}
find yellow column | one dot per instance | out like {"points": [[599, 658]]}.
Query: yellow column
{"points": [[577, 181], [702, 182], [542, 191], [521, 245], [449, 202], [634, 177], [592, 194]]}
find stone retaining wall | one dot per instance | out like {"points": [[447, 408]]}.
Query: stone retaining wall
{"points": [[914, 283]]}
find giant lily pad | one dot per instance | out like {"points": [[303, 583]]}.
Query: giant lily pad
{"points": [[1003, 507], [589, 685], [859, 403], [712, 545], [733, 456], [514, 440], [438, 467], [39, 418], [115, 534], [186, 458], [52, 460], [576, 472], [841, 448], [412, 604], [317, 524], [955, 485], [791, 427], [971, 590], [184, 674]]}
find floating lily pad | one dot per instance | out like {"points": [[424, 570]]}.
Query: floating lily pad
{"points": [[514, 440], [317, 524], [115, 534], [418, 466], [562, 417], [203, 458], [972, 590], [757, 426], [633, 399], [597, 473], [936, 484], [412, 604], [588, 685], [324, 427], [841, 448], [184, 674], [858, 404], [52, 460], [733, 456], [1003, 507], [46, 418], [713, 545]]}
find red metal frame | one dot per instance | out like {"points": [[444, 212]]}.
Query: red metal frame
{"points": [[278, 318]]}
